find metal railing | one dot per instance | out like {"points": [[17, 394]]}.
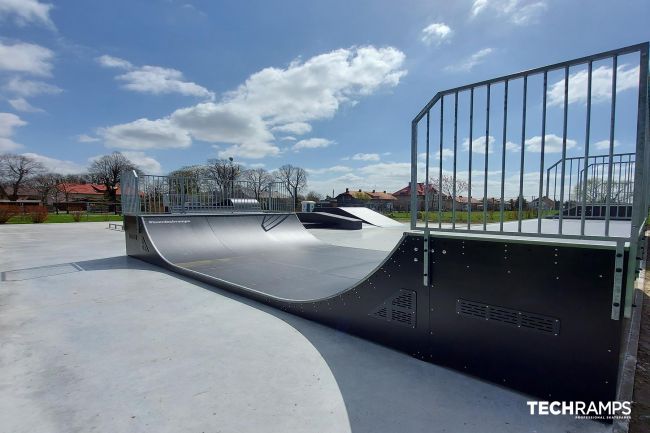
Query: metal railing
{"points": [[602, 111], [519, 169], [588, 187], [147, 194]]}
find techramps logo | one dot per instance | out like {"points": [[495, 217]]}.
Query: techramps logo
{"points": [[610, 410]]}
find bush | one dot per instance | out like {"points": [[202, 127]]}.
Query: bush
{"points": [[7, 212], [38, 215], [76, 215]]}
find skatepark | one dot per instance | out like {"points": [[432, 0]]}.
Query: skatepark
{"points": [[217, 306]]}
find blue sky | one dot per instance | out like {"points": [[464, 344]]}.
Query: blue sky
{"points": [[328, 86]]}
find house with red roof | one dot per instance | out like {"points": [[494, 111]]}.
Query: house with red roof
{"points": [[403, 196]]}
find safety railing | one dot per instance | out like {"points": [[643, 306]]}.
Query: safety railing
{"points": [[482, 150], [147, 194], [589, 188], [590, 112]]}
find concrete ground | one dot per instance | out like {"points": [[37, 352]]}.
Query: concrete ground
{"points": [[91, 340]]}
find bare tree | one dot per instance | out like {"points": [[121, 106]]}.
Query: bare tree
{"points": [[295, 179], [16, 171], [224, 172], [447, 186], [106, 171], [45, 184], [314, 196], [257, 180]]}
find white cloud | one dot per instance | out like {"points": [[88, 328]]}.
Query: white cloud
{"points": [[333, 169], [145, 134], [26, 11], [251, 150], [85, 138], [436, 33], [274, 99], [57, 165], [519, 12], [297, 128], [312, 143], [470, 62], [8, 122], [22, 87], [288, 138], [601, 85], [155, 80], [224, 123], [316, 88], [21, 104], [23, 57], [478, 144], [114, 62], [365, 157], [604, 144], [552, 144], [148, 164]]}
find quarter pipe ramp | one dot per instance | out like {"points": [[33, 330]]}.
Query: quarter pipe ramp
{"points": [[533, 316]]}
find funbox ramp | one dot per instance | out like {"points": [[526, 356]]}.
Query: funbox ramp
{"points": [[535, 316]]}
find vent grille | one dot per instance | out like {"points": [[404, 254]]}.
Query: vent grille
{"points": [[507, 316], [399, 309]]}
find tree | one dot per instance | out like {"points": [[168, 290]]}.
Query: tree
{"points": [[45, 184], [314, 196], [257, 180], [16, 171], [447, 186], [106, 170], [224, 172], [294, 178]]}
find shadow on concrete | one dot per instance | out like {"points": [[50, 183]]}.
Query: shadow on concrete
{"points": [[387, 391]]}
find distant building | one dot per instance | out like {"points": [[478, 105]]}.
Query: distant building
{"points": [[464, 203], [378, 201], [543, 203], [403, 197], [77, 196]]}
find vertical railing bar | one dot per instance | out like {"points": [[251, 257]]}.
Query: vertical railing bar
{"points": [[453, 202], [618, 187], [426, 180], [586, 157], [564, 137], [541, 158], [442, 107], [469, 183], [612, 127], [521, 162], [414, 174], [570, 184], [503, 154], [487, 151]]}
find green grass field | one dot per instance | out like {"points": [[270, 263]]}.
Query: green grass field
{"points": [[66, 218], [477, 216]]}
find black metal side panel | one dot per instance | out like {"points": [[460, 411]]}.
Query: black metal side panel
{"points": [[532, 317], [390, 306]]}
